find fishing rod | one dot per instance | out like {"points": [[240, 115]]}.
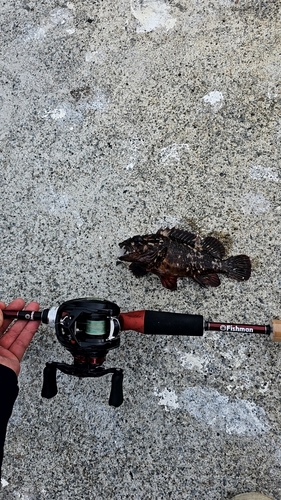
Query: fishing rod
{"points": [[89, 328]]}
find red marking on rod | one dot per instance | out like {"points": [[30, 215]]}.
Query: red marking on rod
{"points": [[133, 320]]}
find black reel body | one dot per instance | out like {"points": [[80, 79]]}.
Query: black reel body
{"points": [[88, 328]]}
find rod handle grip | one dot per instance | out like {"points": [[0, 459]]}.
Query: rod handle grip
{"points": [[162, 323], [166, 323]]}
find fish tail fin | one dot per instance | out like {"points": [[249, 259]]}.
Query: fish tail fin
{"points": [[237, 268]]}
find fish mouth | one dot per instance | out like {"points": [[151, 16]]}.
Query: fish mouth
{"points": [[127, 252], [131, 249]]}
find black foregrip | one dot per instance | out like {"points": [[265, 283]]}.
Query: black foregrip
{"points": [[165, 323], [49, 389], [116, 394]]}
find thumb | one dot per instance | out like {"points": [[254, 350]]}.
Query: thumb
{"points": [[2, 306]]}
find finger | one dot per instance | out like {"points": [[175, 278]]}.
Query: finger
{"points": [[26, 334], [28, 327], [17, 305], [20, 344]]}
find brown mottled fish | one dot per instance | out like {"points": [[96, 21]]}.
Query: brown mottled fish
{"points": [[175, 253]]}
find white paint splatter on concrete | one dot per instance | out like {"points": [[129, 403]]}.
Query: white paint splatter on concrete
{"points": [[192, 362], [93, 55], [36, 34], [64, 112], [168, 398], [272, 90], [265, 388], [167, 221], [152, 14], [63, 17], [78, 219], [132, 151], [130, 166], [254, 204], [223, 3], [57, 113], [26, 493], [236, 359], [90, 56], [173, 152], [60, 17], [55, 202], [259, 172], [97, 102], [278, 450], [237, 416], [215, 99]]}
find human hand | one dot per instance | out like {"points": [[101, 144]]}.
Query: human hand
{"points": [[15, 341]]}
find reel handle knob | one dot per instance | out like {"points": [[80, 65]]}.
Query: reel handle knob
{"points": [[49, 389], [116, 394]]}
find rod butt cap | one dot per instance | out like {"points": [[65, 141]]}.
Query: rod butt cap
{"points": [[276, 330]]}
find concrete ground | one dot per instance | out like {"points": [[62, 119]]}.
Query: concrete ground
{"points": [[118, 118]]}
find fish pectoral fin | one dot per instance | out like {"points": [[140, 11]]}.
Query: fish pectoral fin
{"points": [[156, 259], [213, 247], [210, 279], [179, 235], [137, 269], [147, 259], [169, 281]]}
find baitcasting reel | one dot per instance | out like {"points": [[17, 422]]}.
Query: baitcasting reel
{"points": [[89, 328]]}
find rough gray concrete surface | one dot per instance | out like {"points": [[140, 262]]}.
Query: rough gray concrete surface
{"points": [[118, 118]]}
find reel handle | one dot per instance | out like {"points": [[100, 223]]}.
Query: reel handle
{"points": [[49, 388], [162, 323], [116, 393]]}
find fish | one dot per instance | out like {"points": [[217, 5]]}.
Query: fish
{"points": [[173, 253]]}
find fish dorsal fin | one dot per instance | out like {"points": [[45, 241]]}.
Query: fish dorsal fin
{"points": [[169, 281], [213, 247], [210, 279], [179, 235], [164, 231]]}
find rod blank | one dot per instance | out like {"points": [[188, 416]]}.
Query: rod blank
{"points": [[158, 322], [26, 315]]}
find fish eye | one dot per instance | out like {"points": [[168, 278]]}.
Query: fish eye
{"points": [[138, 239]]}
